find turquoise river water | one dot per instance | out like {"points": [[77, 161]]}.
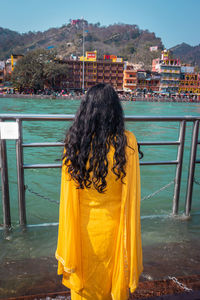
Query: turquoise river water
{"points": [[170, 244]]}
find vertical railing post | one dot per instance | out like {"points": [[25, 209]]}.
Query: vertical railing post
{"points": [[20, 176], [5, 184], [177, 184], [193, 152]]}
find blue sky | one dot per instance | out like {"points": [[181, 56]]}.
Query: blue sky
{"points": [[175, 21]]}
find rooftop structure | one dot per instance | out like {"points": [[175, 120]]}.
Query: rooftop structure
{"points": [[90, 56]]}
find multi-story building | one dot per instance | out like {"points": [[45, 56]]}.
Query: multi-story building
{"points": [[2, 66], [189, 83], [95, 72], [130, 78], [1, 77], [148, 81], [170, 70]]}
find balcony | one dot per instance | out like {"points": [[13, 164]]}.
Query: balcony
{"points": [[129, 84], [170, 71], [130, 71], [170, 78], [130, 77]]}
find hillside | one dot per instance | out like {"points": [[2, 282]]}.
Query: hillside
{"points": [[128, 41], [187, 53], [123, 40]]}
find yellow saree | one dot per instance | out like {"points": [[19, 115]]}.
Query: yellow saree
{"points": [[99, 247]]}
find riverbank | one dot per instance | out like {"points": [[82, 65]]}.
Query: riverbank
{"points": [[189, 289], [122, 98], [162, 264]]}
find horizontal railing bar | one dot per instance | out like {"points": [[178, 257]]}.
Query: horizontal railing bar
{"points": [[167, 162], [57, 144], [41, 166], [54, 117], [38, 117], [159, 143], [161, 118]]}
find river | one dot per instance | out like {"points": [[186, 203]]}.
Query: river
{"points": [[170, 245]]}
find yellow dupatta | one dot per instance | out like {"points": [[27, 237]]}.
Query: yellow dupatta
{"points": [[128, 256]]}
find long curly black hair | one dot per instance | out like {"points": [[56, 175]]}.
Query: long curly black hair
{"points": [[98, 124]]}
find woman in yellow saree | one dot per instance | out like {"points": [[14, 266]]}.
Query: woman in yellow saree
{"points": [[99, 247]]}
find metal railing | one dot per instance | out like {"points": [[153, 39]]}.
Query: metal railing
{"points": [[193, 162], [19, 118]]}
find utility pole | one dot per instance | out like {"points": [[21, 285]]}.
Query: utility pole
{"points": [[83, 87]]}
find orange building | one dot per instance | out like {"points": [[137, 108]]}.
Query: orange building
{"points": [[130, 78]]}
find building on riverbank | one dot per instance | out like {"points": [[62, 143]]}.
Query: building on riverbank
{"points": [[168, 75], [170, 71], [148, 81], [189, 83], [95, 72], [2, 66], [140, 80], [130, 77]]}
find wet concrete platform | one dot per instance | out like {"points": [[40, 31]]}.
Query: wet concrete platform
{"points": [[33, 276], [151, 290]]}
